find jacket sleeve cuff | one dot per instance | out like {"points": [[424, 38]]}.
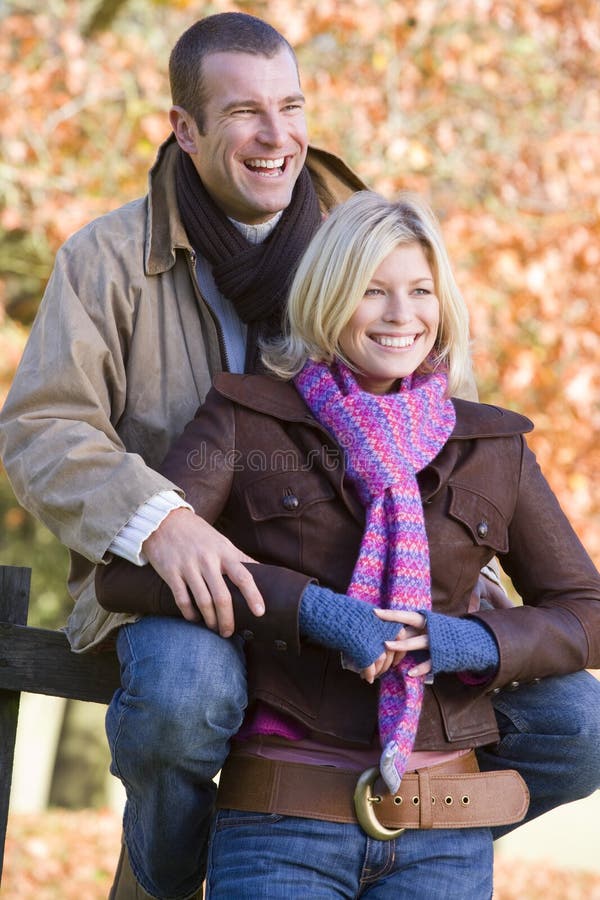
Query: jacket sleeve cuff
{"points": [[124, 587], [282, 591]]}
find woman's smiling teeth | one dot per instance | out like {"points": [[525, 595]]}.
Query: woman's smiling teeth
{"points": [[385, 340], [270, 166]]}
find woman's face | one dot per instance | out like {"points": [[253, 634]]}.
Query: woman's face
{"points": [[394, 327]]}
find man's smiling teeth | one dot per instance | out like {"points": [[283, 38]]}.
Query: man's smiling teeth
{"points": [[265, 163], [385, 341]]}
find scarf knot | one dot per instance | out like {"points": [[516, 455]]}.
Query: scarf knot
{"points": [[386, 441]]}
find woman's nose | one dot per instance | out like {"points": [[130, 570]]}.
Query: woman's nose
{"points": [[398, 307]]}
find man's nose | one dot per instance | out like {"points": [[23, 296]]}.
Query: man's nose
{"points": [[272, 129]]}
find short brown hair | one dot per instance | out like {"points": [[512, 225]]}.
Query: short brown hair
{"points": [[231, 32]]}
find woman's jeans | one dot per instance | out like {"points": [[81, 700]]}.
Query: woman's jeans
{"points": [[183, 696], [256, 856]]}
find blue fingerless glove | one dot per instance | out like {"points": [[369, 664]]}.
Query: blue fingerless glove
{"points": [[344, 623], [460, 645]]}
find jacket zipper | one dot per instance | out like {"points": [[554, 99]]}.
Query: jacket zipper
{"points": [[217, 324]]}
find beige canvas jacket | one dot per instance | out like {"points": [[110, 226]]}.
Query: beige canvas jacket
{"points": [[121, 354]]}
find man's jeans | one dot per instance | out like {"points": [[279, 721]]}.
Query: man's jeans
{"points": [[183, 696], [271, 857], [550, 733]]}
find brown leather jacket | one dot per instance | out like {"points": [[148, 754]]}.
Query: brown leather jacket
{"points": [[256, 462]]}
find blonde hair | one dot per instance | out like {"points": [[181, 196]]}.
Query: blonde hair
{"points": [[336, 269]]}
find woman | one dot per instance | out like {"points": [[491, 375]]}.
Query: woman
{"points": [[351, 467]]}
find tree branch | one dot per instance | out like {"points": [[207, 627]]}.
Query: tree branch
{"points": [[103, 16]]}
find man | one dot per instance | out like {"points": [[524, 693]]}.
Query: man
{"points": [[144, 306]]}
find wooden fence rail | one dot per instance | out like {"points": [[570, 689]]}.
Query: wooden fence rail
{"points": [[39, 661]]}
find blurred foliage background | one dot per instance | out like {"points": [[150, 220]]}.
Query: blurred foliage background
{"points": [[490, 108]]}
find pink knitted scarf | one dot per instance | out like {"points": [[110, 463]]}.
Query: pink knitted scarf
{"points": [[386, 440]]}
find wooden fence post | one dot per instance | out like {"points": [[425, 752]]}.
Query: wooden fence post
{"points": [[14, 603]]}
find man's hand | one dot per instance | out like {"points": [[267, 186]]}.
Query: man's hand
{"points": [[487, 590], [192, 557]]}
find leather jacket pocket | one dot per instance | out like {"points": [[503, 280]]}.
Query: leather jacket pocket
{"points": [[285, 494], [466, 712], [288, 510], [482, 519]]}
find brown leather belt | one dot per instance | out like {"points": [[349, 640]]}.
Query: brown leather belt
{"points": [[453, 794]]}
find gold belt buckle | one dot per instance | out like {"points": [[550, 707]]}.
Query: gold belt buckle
{"points": [[364, 802]]}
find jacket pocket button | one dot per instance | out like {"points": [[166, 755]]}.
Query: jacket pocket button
{"points": [[290, 502], [280, 645], [247, 634], [482, 529]]}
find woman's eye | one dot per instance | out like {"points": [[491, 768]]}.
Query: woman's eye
{"points": [[373, 292]]}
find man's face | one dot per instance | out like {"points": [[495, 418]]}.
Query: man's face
{"points": [[255, 141]]}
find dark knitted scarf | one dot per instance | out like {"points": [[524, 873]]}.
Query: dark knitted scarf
{"points": [[255, 277]]}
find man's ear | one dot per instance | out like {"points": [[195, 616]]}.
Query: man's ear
{"points": [[184, 129]]}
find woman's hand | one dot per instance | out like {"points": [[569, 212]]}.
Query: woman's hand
{"points": [[378, 667], [412, 636]]}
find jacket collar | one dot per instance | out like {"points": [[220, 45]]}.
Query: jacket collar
{"points": [[280, 399], [264, 394], [277, 398], [481, 420], [334, 182], [164, 230]]}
